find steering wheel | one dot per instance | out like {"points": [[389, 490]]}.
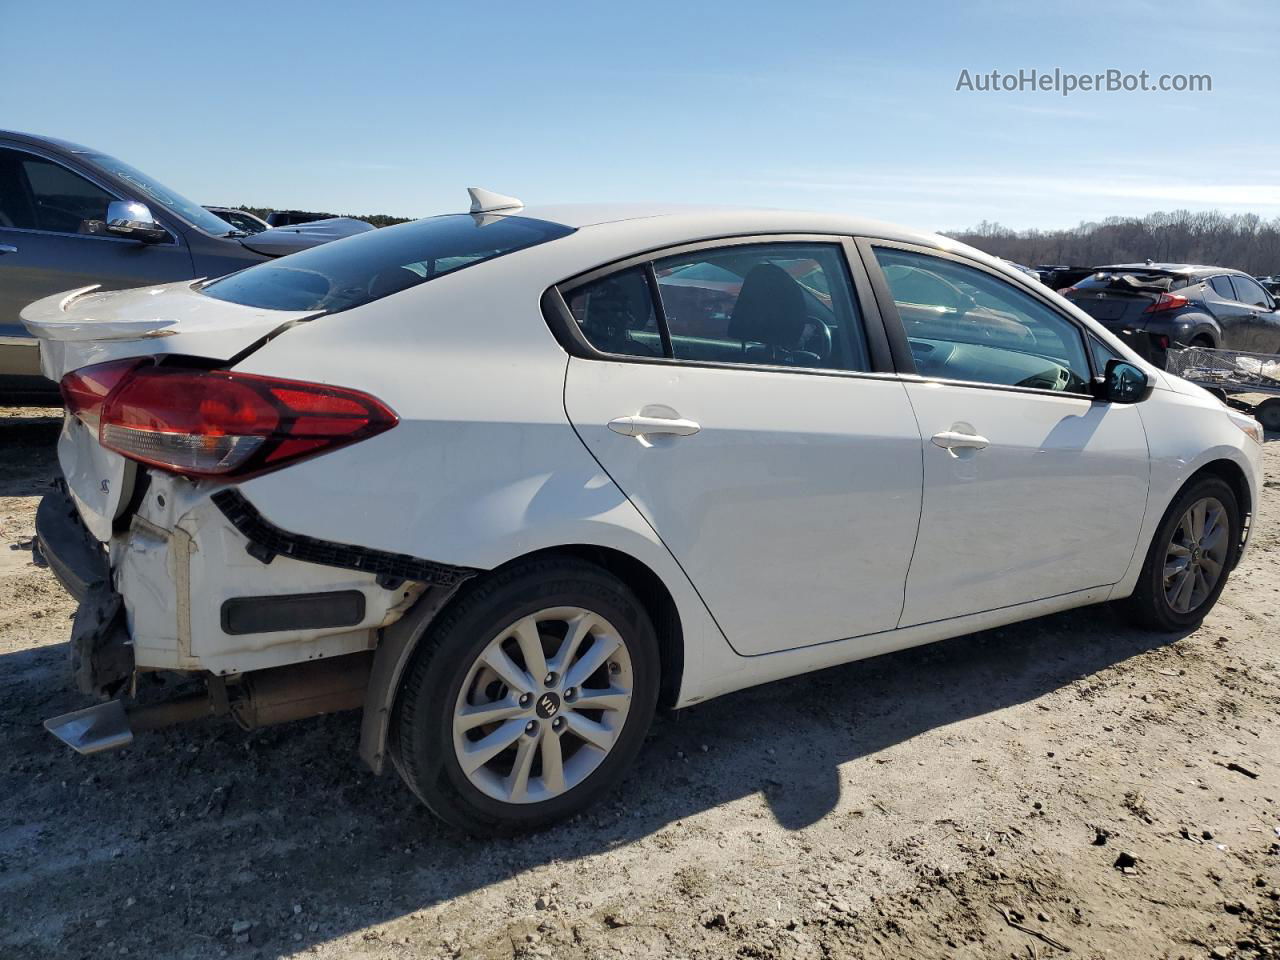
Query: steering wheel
{"points": [[819, 340]]}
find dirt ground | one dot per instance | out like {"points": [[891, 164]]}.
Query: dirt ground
{"points": [[976, 798]]}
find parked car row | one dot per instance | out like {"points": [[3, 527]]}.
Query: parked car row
{"points": [[509, 479], [71, 216]]}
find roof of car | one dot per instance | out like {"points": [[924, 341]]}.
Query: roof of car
{"points": [[690, 222], [47, 141]]}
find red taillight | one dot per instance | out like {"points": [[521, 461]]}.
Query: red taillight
{"points": [[1167, 301], [217, 423], [1065, 290], [84, 391]]}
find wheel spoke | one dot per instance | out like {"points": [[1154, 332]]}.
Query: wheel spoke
{"points": [[1212, 522], [1215, 538], [552, 764], [596, 734], [505, 667], [481, 714], [482, 751], [1171, 570], [517, 782], [1182, 591], [601, 649], [614, 698], [578, 628], [1211, 566], [1197, 512], [530, 641], [1201, 588], [1178, 550]]}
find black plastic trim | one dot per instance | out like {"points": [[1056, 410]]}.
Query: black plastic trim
{"points": [[294, 611], [267, 541], [75, 557]]}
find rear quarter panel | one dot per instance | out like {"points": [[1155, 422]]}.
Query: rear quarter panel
{"points": [[484, 466]]}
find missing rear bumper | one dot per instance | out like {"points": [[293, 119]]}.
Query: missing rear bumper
{"points": [[267, 541]]}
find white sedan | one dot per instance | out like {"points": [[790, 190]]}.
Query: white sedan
{"points": [[508, 480]]}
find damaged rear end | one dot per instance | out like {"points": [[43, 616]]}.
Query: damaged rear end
{"points": [[1126, 300], [174, 569]]}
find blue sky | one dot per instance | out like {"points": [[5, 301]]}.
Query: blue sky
{"points": [[396, 107]]}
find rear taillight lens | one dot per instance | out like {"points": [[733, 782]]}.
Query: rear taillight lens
{"points": [[1066, 290], [218, 423], [1167, 301], [84, 391]]}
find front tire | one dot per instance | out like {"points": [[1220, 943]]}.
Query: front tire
{"points": [[1190, 557], [529, 699]]}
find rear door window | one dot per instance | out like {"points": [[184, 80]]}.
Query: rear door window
{"points": [[368, 266], [776, 304], [767, 304], [1222, 287]]}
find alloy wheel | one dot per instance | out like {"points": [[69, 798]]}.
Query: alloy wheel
{"points": [[542, 705], [1197, 555]]}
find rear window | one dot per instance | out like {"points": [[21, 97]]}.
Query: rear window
{"points": [[1113, 278], [368, 266]]}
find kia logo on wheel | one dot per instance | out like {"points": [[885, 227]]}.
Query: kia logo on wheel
{"points": [[547, 706]]}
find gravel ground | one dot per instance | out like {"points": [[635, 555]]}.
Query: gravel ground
{"points": [[1065, 784]]}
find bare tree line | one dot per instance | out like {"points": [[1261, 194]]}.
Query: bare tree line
{"points": [[1244, 241]]}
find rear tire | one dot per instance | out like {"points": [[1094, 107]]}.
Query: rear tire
{"points": [[1187, 566], [511, 670], [1268, 414]]}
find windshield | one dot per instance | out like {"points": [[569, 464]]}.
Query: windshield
{"points": [[157, 193], [368, 266]]}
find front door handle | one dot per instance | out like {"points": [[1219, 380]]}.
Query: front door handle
{"points": [[645, 426], [7, 248], [951, 440]]}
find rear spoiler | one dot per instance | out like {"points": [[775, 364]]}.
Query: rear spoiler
{"points": [[47, 319], [1144, 280]]}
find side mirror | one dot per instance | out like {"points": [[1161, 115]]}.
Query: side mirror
{"points": [[1122, 383], [128, 218]]}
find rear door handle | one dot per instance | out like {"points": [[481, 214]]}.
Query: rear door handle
{"points": [[7, 248], [645, 426], [950, 440]]}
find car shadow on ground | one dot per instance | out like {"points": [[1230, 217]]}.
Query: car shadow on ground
{"points": [[205, 825]]}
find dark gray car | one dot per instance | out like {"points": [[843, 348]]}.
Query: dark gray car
{"points": [[1155, 306], [72, 216]]}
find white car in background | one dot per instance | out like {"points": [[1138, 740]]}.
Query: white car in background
{"points": [[510, 479]]}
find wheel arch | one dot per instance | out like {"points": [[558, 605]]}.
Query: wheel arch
{"points": [[399, 641], [656, 599], [1234, 476]]}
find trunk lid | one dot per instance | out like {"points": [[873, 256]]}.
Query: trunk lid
{"points": [[83, 327], [1120, 299]]}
